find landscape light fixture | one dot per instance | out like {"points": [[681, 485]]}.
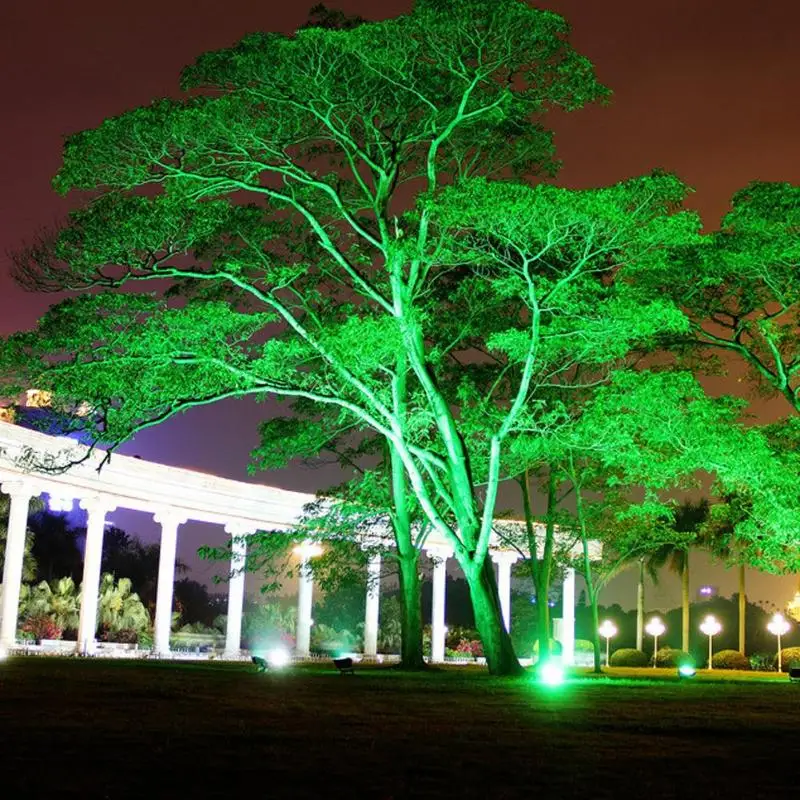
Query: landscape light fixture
{"points": [[278, 658], [778, 626], [551, 673], [607, 630], [710, 628], [686, 671], [655, 628]]}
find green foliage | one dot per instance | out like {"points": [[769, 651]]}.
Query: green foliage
{"points": [[120, 608], [790, 657], [730, 659], [268, 624], [325, 639], [671, 657], [59, 601], [390, 626], [628, 657]]}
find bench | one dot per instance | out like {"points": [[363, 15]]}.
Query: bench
{"points": [[344, 665]]}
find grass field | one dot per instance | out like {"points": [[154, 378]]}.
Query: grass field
{"points": [[117, 729]]}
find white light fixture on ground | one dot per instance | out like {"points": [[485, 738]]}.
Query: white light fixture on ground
{"points": [[778, 626], [607, 630], [655, 628], [710, 628], [278, 657]]}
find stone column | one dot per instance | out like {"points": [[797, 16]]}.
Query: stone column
{"points": [[305, 595], [96, 508], [20, 494], [568, 618], [439, 556], [170, 521], [504, 560], [236, 586], [371, 617]]}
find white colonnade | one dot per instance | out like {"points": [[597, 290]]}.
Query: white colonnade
{"points": [[175, 496]]}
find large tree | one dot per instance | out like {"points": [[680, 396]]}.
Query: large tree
{"points": [[297, 203]]}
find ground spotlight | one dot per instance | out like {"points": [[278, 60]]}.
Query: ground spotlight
{"points": [[278, 657], [551, 673], [686, 671]]}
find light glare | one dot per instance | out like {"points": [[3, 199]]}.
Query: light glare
{"points": [[278, 657]]}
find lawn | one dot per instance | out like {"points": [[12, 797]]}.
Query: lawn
{"points": [[116, 729]]}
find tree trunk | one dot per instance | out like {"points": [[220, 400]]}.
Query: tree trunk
{"points": [[411, 653], [594, 598], [540, 570], [742, 609], [543, 631], [640, 607], [497, 648], [592, 593], [685, 604]]}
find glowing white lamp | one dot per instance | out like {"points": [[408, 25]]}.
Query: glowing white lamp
{"points": [[710, 627], [308, 550], [278, 657], [778, 626], [607, 630], [551, 673], [655, 628]]}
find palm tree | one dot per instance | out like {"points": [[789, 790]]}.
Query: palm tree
{"points": [[689, 518], [720, 535], [120, 608]]}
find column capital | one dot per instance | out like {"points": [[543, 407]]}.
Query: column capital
{"points": [[438, 551], [98, 504], [240, 528], [19, 488], [505, 556], [170, 516]]}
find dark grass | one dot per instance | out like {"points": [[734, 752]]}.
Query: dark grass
{"points": [[116, 729]]}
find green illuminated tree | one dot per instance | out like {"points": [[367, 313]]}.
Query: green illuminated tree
{"points": [[326, 134], [298, 204], [312, 436], [741, 288]]}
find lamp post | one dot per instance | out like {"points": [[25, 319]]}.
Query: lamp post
{"points": [[778, 626], [607, 629], [655, 627], [710, 628]]}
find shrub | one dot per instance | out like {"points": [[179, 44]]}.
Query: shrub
{"points": [[668, 657], [790, 656], [730, 659], [761, 662], [40, 626], [628, 657], [470, 648], [584, 646]]}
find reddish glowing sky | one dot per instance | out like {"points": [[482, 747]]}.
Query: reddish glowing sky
{"points": [[707, 89]]}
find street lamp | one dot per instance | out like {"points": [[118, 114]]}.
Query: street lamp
{"points": [[655, 627], [710, 628], [778, 626], [607, 629]]}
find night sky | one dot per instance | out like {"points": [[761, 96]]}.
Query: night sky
{"points": [[707, 89]]}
